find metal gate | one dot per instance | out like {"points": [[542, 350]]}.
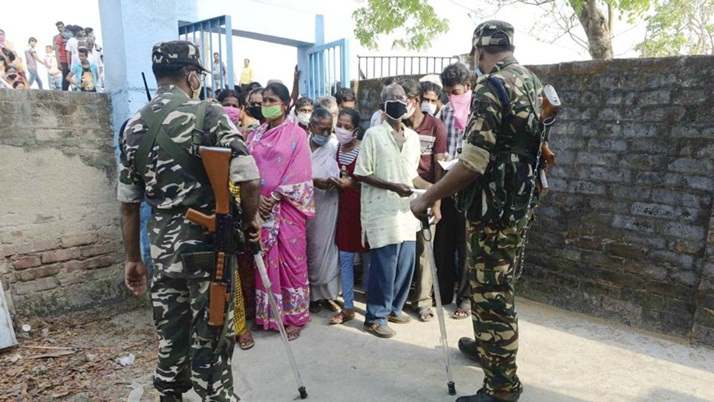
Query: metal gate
{"points": [[328, 68], [214, 35]]}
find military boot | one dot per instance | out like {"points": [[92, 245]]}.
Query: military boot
{"points": [[171, 398], [467, 346], [481, 396]]}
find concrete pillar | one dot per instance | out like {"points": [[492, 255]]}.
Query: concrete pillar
{"points": [[129, 30], [302, 52]]}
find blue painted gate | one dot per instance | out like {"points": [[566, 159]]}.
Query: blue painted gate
{"points": [[214, 35], [328, 68]]}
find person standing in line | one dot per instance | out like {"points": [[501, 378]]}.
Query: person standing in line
{"points": [[281, 151], [502, 141], [432, 138], [387, 167], [31, 59], [322, 253], [450, 236], [349, 227], [192, 354]]}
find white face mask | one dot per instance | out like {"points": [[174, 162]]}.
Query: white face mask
{"points": [[410, 111], [428, 108], [303, 119], [197, 91]]}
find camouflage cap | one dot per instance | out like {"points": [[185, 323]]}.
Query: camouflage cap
{"points": [[492, 33], [179, 52]]}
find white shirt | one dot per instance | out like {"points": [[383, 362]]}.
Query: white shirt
{"points": [[73, 47], [386, 217], [376, 119]]}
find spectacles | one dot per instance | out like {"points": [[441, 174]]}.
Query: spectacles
{"points": [[11, 76]]}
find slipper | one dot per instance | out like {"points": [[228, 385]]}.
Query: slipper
{"points": [[315, 307], [245, 340], [332, 305], [461, 313], [293, 333], [342, 317], [426, 315]]}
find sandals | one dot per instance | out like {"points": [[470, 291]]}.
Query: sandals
{"points": [[331, 305], [342, 317], [245, 340], [461, 313], [293, 332], [426, 315]]}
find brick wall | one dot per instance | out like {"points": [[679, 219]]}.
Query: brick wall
{"points": [[59, 230], [627, 232]]}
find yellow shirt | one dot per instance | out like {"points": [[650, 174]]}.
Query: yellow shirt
{"points": [[246, 75], [386, 217]]}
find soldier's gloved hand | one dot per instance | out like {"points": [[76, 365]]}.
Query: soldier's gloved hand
{"points": [[135, 277]]}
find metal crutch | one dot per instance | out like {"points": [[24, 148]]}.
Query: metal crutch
{"points": [[255, 248], [426, 232]]}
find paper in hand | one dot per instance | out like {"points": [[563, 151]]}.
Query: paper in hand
{"points": [[447, 165]]}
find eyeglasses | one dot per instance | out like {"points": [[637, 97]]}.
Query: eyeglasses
{"points": [[11, 76]]}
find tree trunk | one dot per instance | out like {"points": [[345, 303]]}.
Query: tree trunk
{"points": [[596, 26]]}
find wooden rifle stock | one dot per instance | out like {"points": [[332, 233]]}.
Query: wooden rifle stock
{"points": [[216, 161]]}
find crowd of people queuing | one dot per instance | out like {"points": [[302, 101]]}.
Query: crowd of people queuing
{"points": [[320, 222], [318, 193], [73, 61]]}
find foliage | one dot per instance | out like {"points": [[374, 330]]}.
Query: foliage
{"points": [[416, 18], [680, 27]]}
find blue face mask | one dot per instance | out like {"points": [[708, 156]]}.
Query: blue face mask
{"points": [[319, 140]]}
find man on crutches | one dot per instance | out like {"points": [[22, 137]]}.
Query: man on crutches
{"points": [[495, 181]]}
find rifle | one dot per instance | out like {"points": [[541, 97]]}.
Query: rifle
{"points": [[146, 87], [549, 109], [221, 224]]}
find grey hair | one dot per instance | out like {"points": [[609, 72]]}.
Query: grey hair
{"points": [[320, 114], [328, 102], [389, 89]]}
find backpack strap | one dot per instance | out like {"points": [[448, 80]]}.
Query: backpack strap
{"points": [[157, 135]]}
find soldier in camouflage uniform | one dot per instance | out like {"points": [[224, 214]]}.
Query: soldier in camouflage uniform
{"points": [[191, 353], [494, 180]]}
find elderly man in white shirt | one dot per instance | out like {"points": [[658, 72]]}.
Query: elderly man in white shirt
{"points": [[387, 166]]}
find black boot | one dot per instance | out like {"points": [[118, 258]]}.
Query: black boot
{"points": [[467, 346], [481, 396], [171, 398]]}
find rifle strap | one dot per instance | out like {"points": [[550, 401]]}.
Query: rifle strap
{"points": [[156, 134]]}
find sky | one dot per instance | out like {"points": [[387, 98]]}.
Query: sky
{"points": [[528, 21]]}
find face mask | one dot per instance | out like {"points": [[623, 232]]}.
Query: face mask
{"points": [[303, 119], [197, 91], [477, 58], [462, 108], [319, 140], [344, 136], [271, 112], [428, 108], [410, 111], [395, 109], [255, 112]]}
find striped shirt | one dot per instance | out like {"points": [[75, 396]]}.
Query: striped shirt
{"points": [[454, 137], [346, 158]]}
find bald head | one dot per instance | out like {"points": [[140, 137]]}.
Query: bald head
{"points": [[393, 92]]}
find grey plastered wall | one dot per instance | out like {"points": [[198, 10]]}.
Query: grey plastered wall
{"points": [[59, 231], [627, 232]]}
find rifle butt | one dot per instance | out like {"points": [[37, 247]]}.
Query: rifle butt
{"points": [[217, 161], [207, 221]]}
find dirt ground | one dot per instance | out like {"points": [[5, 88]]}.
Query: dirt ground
{"points": [[75, 357]]}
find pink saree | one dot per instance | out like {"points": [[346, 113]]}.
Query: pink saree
{"points": [[283, 158]]}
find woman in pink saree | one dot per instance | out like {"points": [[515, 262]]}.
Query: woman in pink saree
{"points": [[281, 152]]}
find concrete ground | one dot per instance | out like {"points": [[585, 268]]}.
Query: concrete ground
{"points": [[562, 357]]}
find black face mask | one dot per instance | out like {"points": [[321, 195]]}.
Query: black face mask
{"points": [[395, 109], [255, 112]]}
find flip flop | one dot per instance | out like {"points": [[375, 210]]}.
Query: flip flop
{"points": [[460, 314], [245, 340], [293, 333], [332, 305], [342, 317], [426, 315]]}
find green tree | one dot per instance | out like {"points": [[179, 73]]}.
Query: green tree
{"points": [[383, 17], [679, 27]]}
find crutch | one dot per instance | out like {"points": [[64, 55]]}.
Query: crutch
{"points": [[426, 232], [255, 248]]}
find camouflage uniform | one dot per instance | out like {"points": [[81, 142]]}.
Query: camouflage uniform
{"points": [[187, 344], [500, 143]]}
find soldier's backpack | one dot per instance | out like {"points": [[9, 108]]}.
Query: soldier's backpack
{"points": [[500, 197]]}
